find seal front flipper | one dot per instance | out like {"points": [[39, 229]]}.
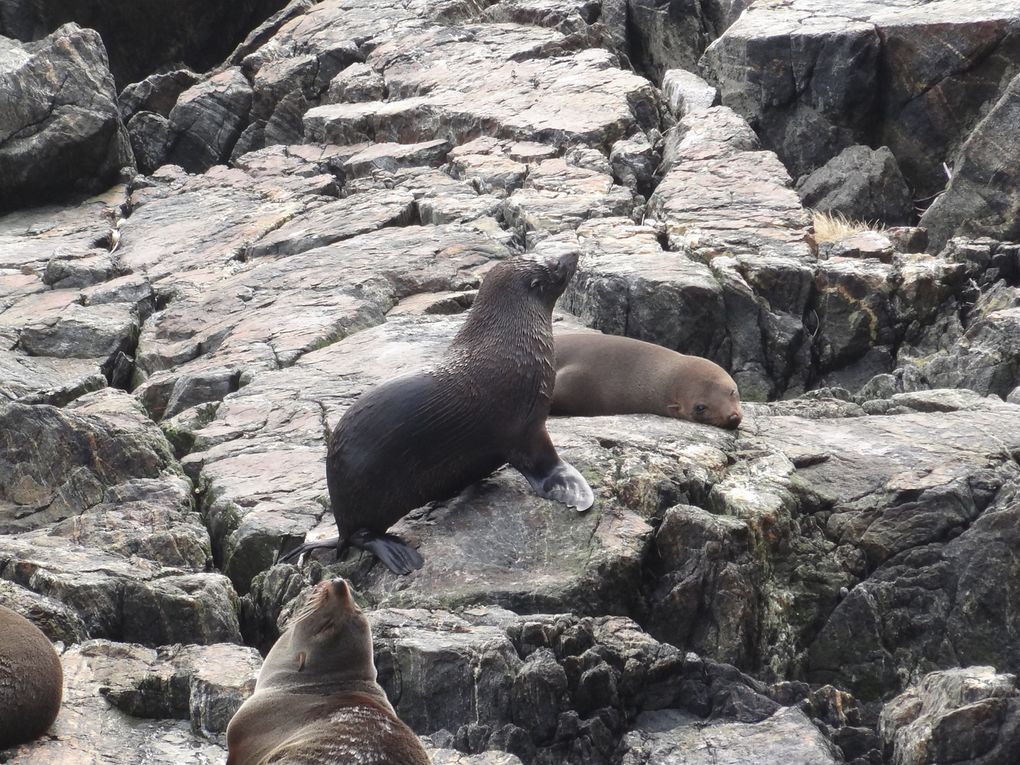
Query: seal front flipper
{"points": [[552, 477], [396, 555]]}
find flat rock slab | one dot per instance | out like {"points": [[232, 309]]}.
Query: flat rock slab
{"points": [[439, 85], [90, 730], [672, 738]]}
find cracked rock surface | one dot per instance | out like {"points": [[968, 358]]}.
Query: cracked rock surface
{"points": [[313, 213]]}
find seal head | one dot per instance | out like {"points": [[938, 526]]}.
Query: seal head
{"points": [[317, 701]]}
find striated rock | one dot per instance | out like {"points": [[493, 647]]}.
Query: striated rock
{"points": [[389, 157], [981, 198], [685, 93], [666, 36], [207, 120], [148, 37], [90, 729], [928, 68], [860, 183], [150, 136], [356, 83], [669, 736], [53, 618], [454, 99], [56, 463], [557, 196], [157, 93], [957, 715], [58, 139]]}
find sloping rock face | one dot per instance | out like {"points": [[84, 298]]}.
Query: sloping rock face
{"points": [[60, 130], [144, 36], [831, 583], [981, 199], [915, 76]]}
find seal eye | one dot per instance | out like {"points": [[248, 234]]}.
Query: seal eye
{"points": [[700, 409]]}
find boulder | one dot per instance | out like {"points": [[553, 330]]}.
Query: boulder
{"points": [[859, 183], [970, 714], [58, 140]]}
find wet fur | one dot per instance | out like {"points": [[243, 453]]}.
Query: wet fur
{"points": [[31, 680]]}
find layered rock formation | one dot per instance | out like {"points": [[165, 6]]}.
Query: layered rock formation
{"points": [[831, 583]]}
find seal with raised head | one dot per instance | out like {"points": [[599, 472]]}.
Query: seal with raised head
{"points": [[608, 374], [316, 701], [31, 680], [428, 435]]}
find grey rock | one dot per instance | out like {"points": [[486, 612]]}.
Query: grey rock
{"points": [[860, 183], [57, 621], [207, 120], [557, 196], [146, 39], [981, 198], [67, 272], [957, 715], [452, 96], [939, 71], [355, 84], [685, 92], [670, 736], [866, 244], [388, 157], [56, 141], [58, 462], [667, 36], [707, 134], [88, 726], [634, 163], [157, 93], [84, 332], [150, 135]]}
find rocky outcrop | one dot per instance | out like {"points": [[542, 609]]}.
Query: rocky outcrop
{"points": [[144, 37], [913, 76], [175, 352], [957, 715], [981, 198], [60, 130]]}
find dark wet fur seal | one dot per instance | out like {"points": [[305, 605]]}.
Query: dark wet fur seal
{"points": [[428, 435], [317, 701], [608, 374], [31, 680]]}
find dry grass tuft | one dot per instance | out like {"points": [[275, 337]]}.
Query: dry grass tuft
{"points": [[831, 227]]}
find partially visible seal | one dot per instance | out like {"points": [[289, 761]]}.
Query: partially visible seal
{"points": [[428, 435], [608, 374], [31, 680], [316, 701]]}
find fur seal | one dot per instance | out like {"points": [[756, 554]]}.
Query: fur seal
{"points": [[31, 680], [608, 374], [428, 435], [316, 701]]}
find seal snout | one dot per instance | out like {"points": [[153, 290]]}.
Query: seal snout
{"points": [[734, 420]]}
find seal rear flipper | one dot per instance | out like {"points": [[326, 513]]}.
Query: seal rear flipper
{"points": [[321, 544], [396, 555]]}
